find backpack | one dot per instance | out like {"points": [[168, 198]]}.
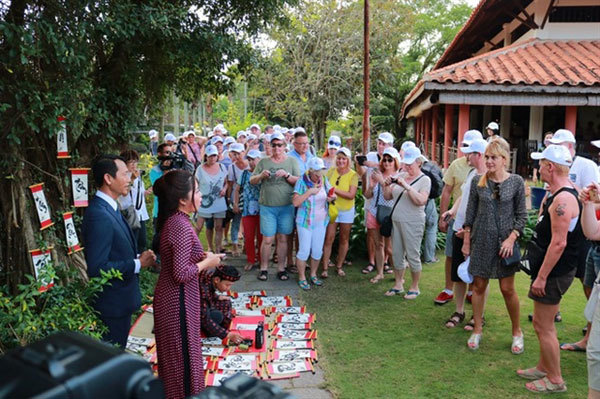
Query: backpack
{"points": [[436, 176]]}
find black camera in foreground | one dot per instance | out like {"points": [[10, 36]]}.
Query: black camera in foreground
{"points": [[72, 365], [175, 160]]}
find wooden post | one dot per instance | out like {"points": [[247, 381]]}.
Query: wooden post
{"points": [[463, 124], [571, 118], [427, 117], [434, 133], [448, 121], [418, 131], [366, 129]]}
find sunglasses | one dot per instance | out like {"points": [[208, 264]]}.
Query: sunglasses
{"points": [[277, 145], [333, 142], [337, 181], [496, 192], [386, 159]]}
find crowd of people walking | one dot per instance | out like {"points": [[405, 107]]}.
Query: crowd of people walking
{"points": [[291, 204]]}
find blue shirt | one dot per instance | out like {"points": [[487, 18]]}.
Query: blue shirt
{"points": [[301, 163]]}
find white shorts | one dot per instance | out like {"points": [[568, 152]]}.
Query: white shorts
{"points": [[346, 216]]}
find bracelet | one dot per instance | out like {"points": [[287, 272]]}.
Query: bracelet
{"points": [[288, 176], [516, 233]]}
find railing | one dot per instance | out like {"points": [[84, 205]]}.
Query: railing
{"points": [[453, 154]]}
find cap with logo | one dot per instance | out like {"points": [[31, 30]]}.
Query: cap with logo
{"points": [[254, 154], [236, 147], [407, 144], [493, 126], [211, 150]]}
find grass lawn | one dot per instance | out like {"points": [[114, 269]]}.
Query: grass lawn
{"points": [[372, 346]]}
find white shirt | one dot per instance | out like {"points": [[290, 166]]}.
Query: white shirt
{"points": [[132, 198], [583, 171], [461, 213], [113, 205]]}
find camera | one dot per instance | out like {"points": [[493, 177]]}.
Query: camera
{"points": [[361, 159], [178, 161]]}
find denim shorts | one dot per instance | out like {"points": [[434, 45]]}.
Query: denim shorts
{"points": [[276, 220], [449, 234], [592, 266]]}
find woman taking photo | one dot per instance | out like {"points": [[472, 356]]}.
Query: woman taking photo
{"points": [[345, 181], [410, 192], [212, 181], [177, 293], [389, 166], [311, 198], [495, 219]]}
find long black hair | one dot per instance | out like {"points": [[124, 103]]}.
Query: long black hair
{"points": [[170, 188]]}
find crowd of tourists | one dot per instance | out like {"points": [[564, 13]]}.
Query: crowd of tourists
{"points": [[291, 203]]}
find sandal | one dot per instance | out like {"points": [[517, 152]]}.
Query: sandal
{"points": [[324, 274], [531, 374], [572, 348], [518, 345], [387, 269], [316, 281], [368, 269], [292, 269], [471, 324], [263, 275], [304, 285], [376, 279], [393, 291], [544, 385], [341, 273], [347, 263], [283, 275], [473, 342], [248, 267], [412, 295], [455, 320]]}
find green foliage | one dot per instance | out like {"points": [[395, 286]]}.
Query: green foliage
{"points": [[31, 315], [532, 218], [358, 233]]}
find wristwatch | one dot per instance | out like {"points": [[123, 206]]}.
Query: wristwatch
{"points": [[516, 233], [288, 176]]}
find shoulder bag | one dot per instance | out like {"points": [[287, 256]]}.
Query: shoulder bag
{"points": [[385, 228]]}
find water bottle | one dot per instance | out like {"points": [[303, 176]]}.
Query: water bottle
{"points": [[259, 336]]}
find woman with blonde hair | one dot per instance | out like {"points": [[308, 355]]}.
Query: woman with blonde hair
{"points": [[389, 166], [495, 219]]}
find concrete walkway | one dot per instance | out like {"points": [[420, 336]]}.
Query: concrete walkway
{"points": [[308, 385]]}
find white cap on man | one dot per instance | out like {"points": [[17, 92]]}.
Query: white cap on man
{"points": [[407, 144], [315, 163], [299, 129], [251, 136], [392, 152], [471, 135], [477, 145], [554, 153], [152, 133], [562, 136], [345, 151], [254, 154], [411, 155], [255, 126], [334, 142], [386, 137], [170, 137], [211, 150], [236, 147], [228, 140], [242, 133], [216, 139], [277, 136]]}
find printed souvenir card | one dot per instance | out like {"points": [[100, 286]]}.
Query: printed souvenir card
{"points": [[79, 182], [41, 260], [294, 326], [279, 344], [212, 341], [43, 210], [294, 334], [247, 312], [297, 366], [273, 301], [292, 355], [296, 318], [72, 239], [62, 148], [214, 351], [236, 362]]}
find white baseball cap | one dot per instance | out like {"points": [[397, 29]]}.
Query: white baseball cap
{"points": [[411, 155], [471, 135], [315, 163], [152, 133], [596, 143], [463, 271], [254, 125], [254, 154], [216, 139], [211, 150], [477, 145], [277, 136], [407, 144], [299, 129], [392, 152], [562, 136], [189, 132], [334, 142], [170, 137], [242, 133], [229, 140], [345, 151], [386, 137], [493, 126], [236, 147], [554, 153]]}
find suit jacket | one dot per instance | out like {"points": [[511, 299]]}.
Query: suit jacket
{"points": [[109, 244]]}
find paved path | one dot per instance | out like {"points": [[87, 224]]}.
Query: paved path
{"points": [[308, 385]]}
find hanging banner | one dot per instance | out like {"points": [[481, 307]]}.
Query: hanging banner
{"points": [[41, 260], [72, 239], [79, 181], [62, 148], [41, 205]]}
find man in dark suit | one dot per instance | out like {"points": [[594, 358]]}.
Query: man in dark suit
{"points": [[109, 244]]}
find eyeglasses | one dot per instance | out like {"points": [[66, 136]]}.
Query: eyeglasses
{"points": [[386, 159], [277, 145], [305, 143]]}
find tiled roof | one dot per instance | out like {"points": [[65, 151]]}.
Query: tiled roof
{"points": [[533, 62]]}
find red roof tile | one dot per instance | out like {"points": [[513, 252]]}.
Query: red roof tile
{"points": [[532, 62]]}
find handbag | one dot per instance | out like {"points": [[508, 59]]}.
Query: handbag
{"points": [[382, 211], [532, 259], [385, 228], [515, 258], [130, 212]]}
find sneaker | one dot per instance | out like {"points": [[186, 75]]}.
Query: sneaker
{"points": [[443, 298]]}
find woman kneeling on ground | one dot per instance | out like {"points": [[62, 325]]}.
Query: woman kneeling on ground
{"points": [[410, 192], [311, 198], [345, 181]]}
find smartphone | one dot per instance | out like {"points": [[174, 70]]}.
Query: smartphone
{"points": [[447, 218], [361, 159], [594, 197]]}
